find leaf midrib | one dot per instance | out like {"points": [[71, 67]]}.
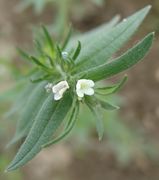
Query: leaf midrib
{"points": [[38, 137], [101, 49]]}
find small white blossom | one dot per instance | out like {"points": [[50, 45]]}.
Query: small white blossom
{"points": [[48, 87], [84, 87], [64, 55], [59, 89]]}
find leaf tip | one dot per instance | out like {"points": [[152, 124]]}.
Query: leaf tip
{"points": [[146, 9], [10, 167], [149, 7]]}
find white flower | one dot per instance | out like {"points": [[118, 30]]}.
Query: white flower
{"points": [[64, 55], [59, 89], [48, 87], [84, 87]]}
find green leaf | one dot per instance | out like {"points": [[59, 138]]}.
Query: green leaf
{"points": [[41, 78], [88, 36], [23, 54], [46, 123], [107, 106], [36, 61], [67, 38], [32, 107], [71, 123], [127, 60], [49, 41], [111, 89], [96, 110], [77, 52], [59, 51], [104, 45], [38, 46]]}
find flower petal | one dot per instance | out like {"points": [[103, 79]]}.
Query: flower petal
{"points": [[84, 86], [57, 96], [90, 83], [80, 93], [89, 91], [59, 89]]}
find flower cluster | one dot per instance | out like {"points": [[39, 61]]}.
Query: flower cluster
{"points": [[83, 87]]}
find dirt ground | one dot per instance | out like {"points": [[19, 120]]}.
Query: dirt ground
{"points": [[140, 94]]}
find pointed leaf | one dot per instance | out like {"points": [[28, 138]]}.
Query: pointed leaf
{"points": [[41, 78], [127, 60], [32, 107], [88, 36], [104, 45], [77, 52], [46, 123], [67, 39], [107, 106], [23, 54], [111, 89], [96, 110], [36, 61], [70, 126], [48, 38]]}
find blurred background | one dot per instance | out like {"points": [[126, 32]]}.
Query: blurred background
{"points": [[129, 150]]}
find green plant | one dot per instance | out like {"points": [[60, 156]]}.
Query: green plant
{"points": [[72, 75]]}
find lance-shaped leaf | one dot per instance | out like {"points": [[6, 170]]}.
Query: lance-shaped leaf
{"points": [[46, 123], [107, 106], [23, 54], [71, 123], [111, 89], [40, 64], [77, 52], [32, 107], [105, 28], [96, 110], [49, 42], [66, 41], [88, 36], [127, 60], [104, 45]]}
